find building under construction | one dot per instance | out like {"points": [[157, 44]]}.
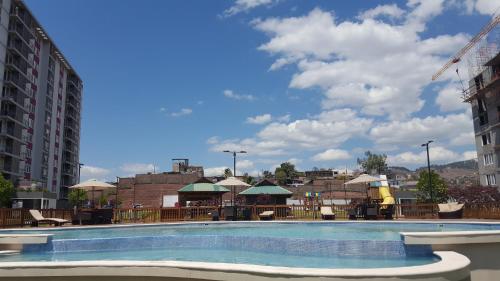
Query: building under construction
{"points": [[483, 93]]}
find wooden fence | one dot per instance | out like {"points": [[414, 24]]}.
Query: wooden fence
{"points": [[21, 217]]}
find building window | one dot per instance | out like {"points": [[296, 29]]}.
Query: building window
{"points": [[486, 139], [488, 159], [491, 180]]}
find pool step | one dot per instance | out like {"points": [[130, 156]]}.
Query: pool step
{"points": [[19, 241], [287, 246]]}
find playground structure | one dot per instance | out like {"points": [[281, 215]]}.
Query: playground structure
{"points": [[379, 201]]}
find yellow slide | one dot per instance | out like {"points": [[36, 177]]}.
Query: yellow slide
{"points": [[384, 193], [386, 196]]}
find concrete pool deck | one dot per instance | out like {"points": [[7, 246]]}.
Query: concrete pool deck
{"points": [[451, 267]]}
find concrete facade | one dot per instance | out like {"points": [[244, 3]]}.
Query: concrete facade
{"points": [[40, 105], [485, 102]]}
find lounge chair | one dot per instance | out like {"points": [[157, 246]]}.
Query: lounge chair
{"points": [[38, 218], [266, 216], [327, 213], [451, 211]]}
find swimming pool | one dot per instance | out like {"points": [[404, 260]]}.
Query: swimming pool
{"points": [[286, 244]]}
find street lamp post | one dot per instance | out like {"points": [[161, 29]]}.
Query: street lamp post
{"points": [[234, 170], [79, 177], [429, 169]]}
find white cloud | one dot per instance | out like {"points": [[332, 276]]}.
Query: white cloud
{"points": [[244, 164], [91, 172], [137, 168], [284, 118], [463, 139], [214, 171], [163, 109], [232, 95], [245, 6], [329, 129], [213, 140], [485, 7], [368, 64], [471, 154], [437, 154], [450, 99], [418, 130], [392, 11], [260, 119], [332, 154], [182, 112]]}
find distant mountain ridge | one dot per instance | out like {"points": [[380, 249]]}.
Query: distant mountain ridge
{"points": [[460, 173], [466, 164]]}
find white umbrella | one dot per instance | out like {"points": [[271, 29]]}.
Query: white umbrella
{"points": [[232, 182], [364, 178], [92, 185]]}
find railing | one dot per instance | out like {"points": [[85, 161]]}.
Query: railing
{"points": [[21, 217], [281, 212]]}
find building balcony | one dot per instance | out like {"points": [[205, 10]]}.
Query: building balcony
{"points": [[18, 27], [17, 46]]}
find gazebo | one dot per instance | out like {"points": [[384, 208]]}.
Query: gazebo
{"points": [[266, 193], [201, 190]]}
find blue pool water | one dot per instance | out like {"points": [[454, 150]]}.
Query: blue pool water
{"points": [[315, 245], [338, 231]]}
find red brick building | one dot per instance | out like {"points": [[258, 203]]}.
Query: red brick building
{"points": [[149, 189]]}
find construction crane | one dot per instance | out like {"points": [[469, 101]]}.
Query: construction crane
{"points": [[458, 56]]}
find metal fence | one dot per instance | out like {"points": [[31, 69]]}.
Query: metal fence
{"points": [[21, 217]]}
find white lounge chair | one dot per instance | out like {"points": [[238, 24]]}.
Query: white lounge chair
{"points": [[266, 216], [451, 211], [38, 217], [327, 213]]}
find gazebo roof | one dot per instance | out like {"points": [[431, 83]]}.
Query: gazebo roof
{"points": [[203, 187], [266, 187]]}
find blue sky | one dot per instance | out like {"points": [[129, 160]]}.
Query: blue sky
{"points": [[311, 82]]}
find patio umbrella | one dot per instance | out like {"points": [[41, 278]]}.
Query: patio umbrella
{"points": [[232, 182], [363, 179], [92, 185]]}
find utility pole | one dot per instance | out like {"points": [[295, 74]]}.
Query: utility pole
{"points": [[234, 153], [429, 169]]}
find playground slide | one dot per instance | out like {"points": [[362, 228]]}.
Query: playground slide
{"points": [[386, 196], [384, 192]]}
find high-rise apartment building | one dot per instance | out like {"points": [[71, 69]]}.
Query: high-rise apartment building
{"points": [[483, 94], [40, 105]]}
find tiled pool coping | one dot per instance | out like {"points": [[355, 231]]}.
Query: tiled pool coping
{"points": [[452, 267]]}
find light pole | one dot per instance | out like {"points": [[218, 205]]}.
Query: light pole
{"points": [[234, 170], [79, 173], [116, 193], [79, 170], [429, 168]]}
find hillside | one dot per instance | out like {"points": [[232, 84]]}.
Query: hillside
{"points": [[461, 173]]}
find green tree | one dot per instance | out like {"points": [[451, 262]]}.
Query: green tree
{"points": [[280, 176], [267, 175], [76, 197], [7, 191], [228, 173], [103, 200], [248, 179], [373, 163], [285, 172], [439, 189]]}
